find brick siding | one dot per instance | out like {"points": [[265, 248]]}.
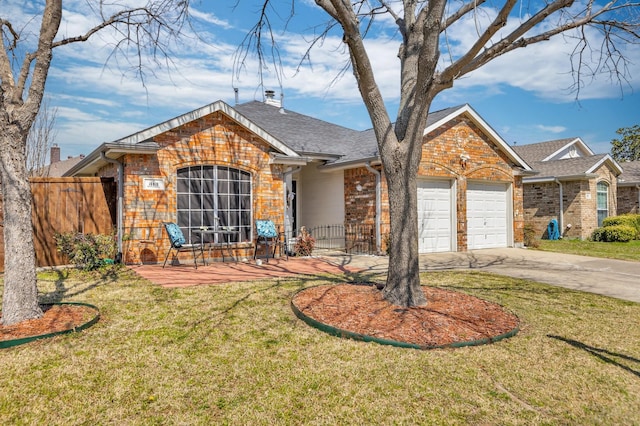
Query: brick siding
{"points": [[212, 140], [579, 198], [441, 158]]}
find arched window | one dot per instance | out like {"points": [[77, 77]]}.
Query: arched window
{"points": [[602, 191], [214, 196]]}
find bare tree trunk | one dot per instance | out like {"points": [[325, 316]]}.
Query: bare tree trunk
{"points": [[400, 165], [20, 298], [403, 280]]}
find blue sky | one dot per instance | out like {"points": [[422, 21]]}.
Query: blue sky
{"points": [[522, 95]]}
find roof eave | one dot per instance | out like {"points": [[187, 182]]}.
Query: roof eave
{"points": [[361, 162], [543, 179], [93, 162]]}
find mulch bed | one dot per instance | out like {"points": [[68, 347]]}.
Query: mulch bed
{"points": [[56, 318], [449, 317]]}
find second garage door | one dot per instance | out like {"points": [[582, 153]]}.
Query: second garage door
{"points": [[487, 212], [435, 216]]}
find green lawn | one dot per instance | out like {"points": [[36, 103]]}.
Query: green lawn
{"points": [[236, 354], [623, 251]]}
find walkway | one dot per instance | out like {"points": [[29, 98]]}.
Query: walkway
{"points": [[614, 278]]}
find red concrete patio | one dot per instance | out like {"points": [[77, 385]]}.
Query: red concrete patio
{"points": [[185, 274]]}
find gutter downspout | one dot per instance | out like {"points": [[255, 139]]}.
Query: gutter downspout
{"points": [[120, 214], [378, 205], [561, 215], [285, 175]]}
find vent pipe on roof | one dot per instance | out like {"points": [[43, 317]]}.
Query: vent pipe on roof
{"points": [[270, 98], [237, 95]]}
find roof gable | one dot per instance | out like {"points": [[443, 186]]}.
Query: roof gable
{"points": [[440, 118], [218, 106], [558, 149]]}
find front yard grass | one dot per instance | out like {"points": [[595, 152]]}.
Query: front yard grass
{"points": [[236, 354], [622, 251]]}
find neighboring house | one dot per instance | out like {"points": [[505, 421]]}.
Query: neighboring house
{"points": [[57, 167], [573, 185], [629, 188], [257, 160]]}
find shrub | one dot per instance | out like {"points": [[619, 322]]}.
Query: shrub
{"points": [[530, 239], [305, 243], [86, 251], [615, 233], [632, 220]]}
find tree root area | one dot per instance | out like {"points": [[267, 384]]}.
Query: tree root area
{"points": [[449, 316], [55, 318]]}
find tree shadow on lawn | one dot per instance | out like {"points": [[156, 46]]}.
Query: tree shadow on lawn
{"points": [[603, 354], [66, 287]]}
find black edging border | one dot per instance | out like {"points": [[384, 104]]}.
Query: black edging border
{"points": [[345, 334], [15, 342]]}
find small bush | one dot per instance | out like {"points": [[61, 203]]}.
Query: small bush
{"points": [[632, 220], [86, 251], [530, 239], [615, 233], [305, 243]]}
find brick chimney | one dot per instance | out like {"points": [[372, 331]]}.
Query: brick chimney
{"points": [[55, 153]]}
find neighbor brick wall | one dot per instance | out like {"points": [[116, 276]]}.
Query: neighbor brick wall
{"points": [[212, 140], [441, 158], [628, 199], [541, 204]]}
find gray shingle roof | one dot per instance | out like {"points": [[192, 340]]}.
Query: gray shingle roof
{"points": [[566, 167], [630, 173], [308, 135], [539, 151], [303, 134]]}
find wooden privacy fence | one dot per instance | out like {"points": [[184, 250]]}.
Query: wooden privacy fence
{"points": [[62, 205]]}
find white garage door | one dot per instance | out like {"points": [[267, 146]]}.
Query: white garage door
{"points": [[434, 216], [487, 211]]}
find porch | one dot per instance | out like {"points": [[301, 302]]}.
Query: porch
{"points": [[185, 275]]}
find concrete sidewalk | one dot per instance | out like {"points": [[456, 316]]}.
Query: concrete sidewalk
{"points": [[614, 278]]}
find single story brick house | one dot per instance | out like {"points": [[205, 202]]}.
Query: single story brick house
{"points": [[573, 185], [258, 160], [629, 188]]}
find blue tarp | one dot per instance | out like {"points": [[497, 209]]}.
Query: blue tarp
{"points": [[552, 230]]}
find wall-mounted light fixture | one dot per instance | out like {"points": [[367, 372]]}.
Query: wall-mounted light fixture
{"points": [[359, 188], [464, 158]]}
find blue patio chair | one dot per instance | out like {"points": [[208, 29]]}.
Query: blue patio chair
{"points": [[178, 243], [268, 236]]}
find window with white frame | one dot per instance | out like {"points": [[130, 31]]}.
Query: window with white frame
{"points": [[602, 194], [216, 197]]}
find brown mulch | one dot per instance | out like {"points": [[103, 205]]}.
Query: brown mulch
{"points": [[56, 318], [450, 317]]}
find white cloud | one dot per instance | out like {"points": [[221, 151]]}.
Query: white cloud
{"points": [[210, 18], [551, 129]]}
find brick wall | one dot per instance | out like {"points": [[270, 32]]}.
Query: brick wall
{"points": [[628, 199], [579, 199], [212, 140], [441, 158]]}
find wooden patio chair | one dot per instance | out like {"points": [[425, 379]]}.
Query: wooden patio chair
{"points": [[267, 235], [178, 243]]}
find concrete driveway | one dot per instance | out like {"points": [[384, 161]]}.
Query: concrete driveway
{"points": [[614, 278]]}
